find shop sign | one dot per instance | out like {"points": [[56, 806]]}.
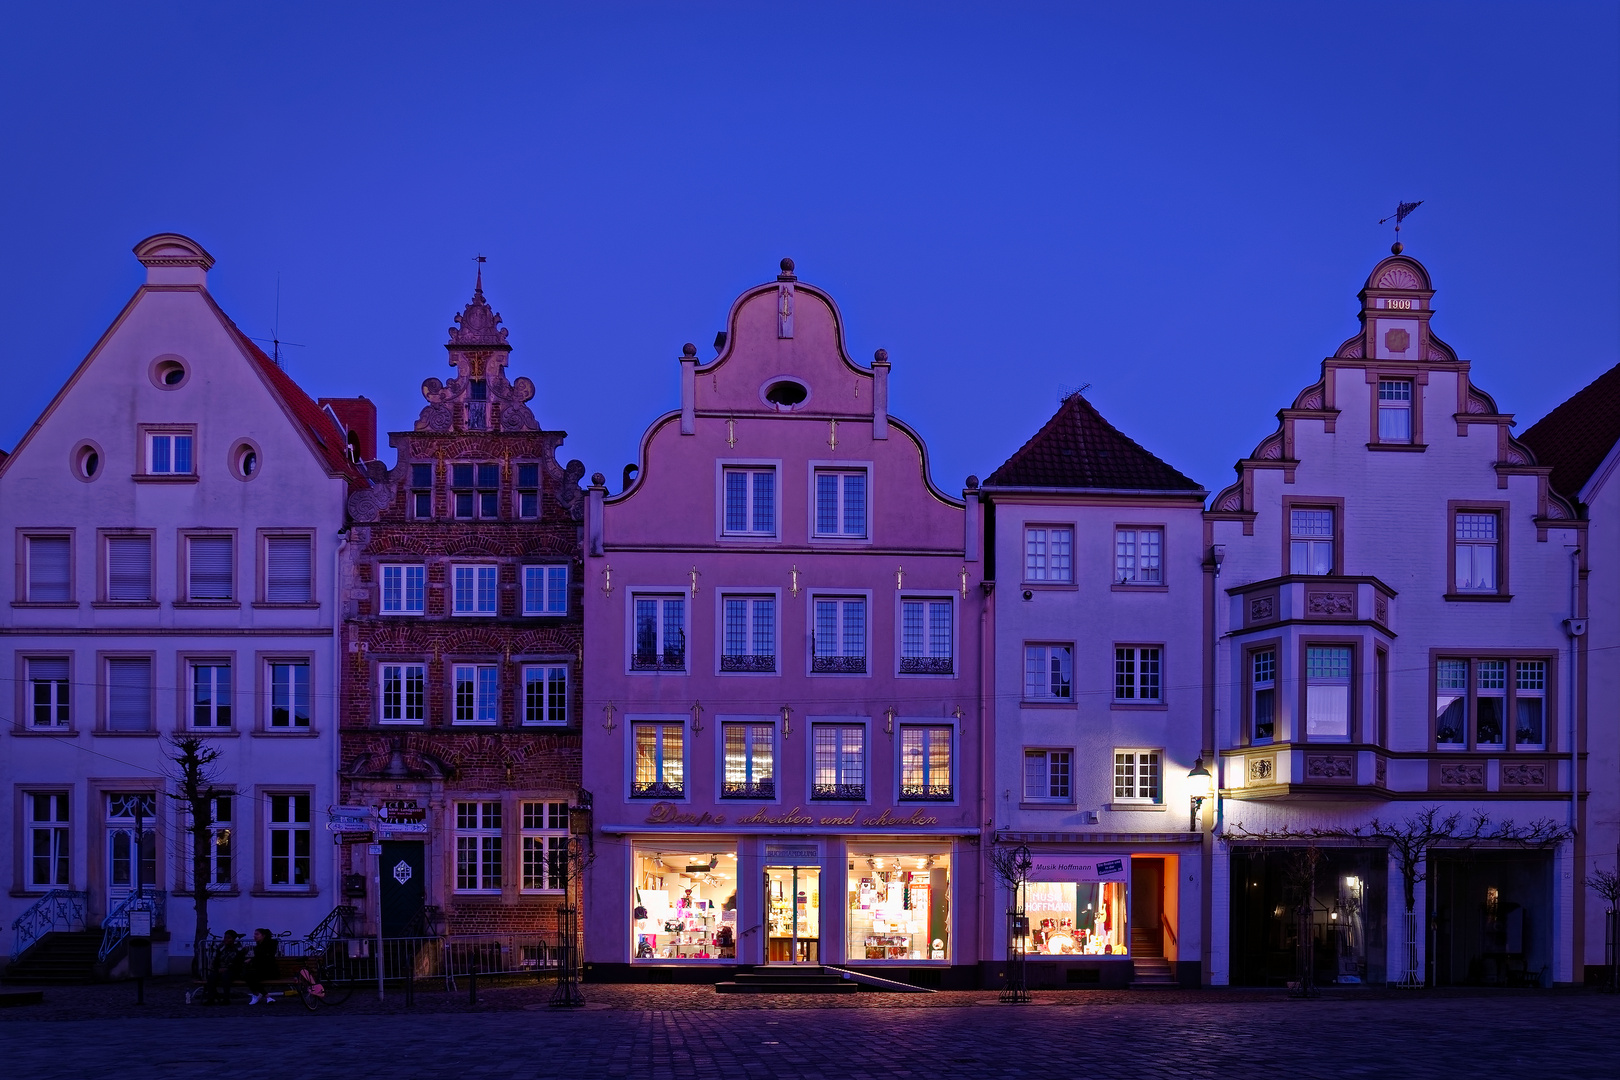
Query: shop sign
{"points": [[393, 810], [1077, 868], [667, 813], [807, 852]]}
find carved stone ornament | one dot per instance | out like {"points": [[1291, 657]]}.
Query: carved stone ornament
{"points": [[1381, 771], [1272, 448], [1330, 603], [367, 504], [1381, 608], [1462, 774], [1329, 767], [479, 397], [1262, 609], [1231, 498], [1397, 340], [1354, 349], [1262, 770], [1527, 774], [1399, 277]]}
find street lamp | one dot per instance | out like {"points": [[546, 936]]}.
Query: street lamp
{"points": [[1202, 786]]}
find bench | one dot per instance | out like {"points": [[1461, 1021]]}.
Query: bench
{"points": [[281, 985]]}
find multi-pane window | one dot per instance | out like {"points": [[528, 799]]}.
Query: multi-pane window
{"points": [[1049, 672], [750, 761], [290, 844], [1137, 673], [217, 840], [1451, 702], [404, 693], [129, 568], [477, 689], [660, 634], [209, 568], [1395, 410], [1310, 541], [210, 694], [528, 489], [750, 503], [48, 849], [1263, 691], [289, 571], [839, 638], [841, 503], [1136, 776], [129, 694], [545, 846], [131, 851], [926, 641], [474, 589], [403, 588], [1138, 556], [1048, 554], [545, 694], [1530, 705], [1490, 702], [1476, 552], [1047, 775], [838, 753], [168, 453], [422, 491], [478, 846], [748, 634], [545, 590], [48, 691], [1327, 692], [660, 762], [925, 761], [475, 489], [50, 570], [289, 694]]}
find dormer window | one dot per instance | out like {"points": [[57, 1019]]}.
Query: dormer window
{"points": [[1395, 410]]}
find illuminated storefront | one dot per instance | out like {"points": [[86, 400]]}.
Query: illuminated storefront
{"points": [[899, 906], [685, 904], [1081, 919]]}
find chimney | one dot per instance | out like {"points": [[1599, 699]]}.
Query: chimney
{"points": [[172, 259], [358, 417]]}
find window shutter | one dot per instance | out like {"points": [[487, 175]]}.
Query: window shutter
{"points": [[49, 569], [211, 577], [129, 568], [129, 695], [50, 669], [287, 574]]}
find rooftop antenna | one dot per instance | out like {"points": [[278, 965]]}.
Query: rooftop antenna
{"points": [[275, 333], [1067, 392], [1401, 210]]}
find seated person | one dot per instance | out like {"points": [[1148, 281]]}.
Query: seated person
{"points": [[262, 967], [224, 968]]}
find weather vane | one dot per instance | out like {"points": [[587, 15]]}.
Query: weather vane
{"points": [[1401, 210]]}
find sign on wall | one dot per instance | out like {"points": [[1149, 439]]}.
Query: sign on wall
{"points": [[1078, 868]]}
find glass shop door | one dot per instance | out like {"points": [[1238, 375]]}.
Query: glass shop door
{"points": [[792, 915]]}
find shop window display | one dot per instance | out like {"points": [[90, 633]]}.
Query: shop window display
{"points": [[684, 905], [1069, 919], [899, 906]]}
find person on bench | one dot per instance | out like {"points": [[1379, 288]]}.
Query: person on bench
{"points": [[225, 968], [261, 968]]}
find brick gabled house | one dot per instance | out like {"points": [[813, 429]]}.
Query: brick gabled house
{"points": [[461, 643]]}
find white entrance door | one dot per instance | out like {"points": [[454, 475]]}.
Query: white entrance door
{"points": [[121, 844]]}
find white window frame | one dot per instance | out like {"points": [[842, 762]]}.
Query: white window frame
{"points": [[659, 784], [841, 469], [482, 495], [842, 661], [919, 653], [759, 747], [545, 695], [1263, 679], [475, 694], [754, 627], [1395, 407], [1048, 554], [545, 589], [520, 491], [1138, 674], [836, 786], [1475, 551], [171, 439], [1042, 653], [211, 708], [1139, 555], [544, 841], [1318, 697], [55, 831], [33, 586], [750, 471], [401, 588], [657, 661], [1451, 682], [278, 684], [57, 693], [1306, 543], [480, 830], [397, 705], [467, 589], [1530, 683], [1491, 677], [221, 833], [283, 824], [1055, 767], [928, 790], [1133, 766]]}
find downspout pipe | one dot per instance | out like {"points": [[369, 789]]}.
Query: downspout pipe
{"points": [[1575, 627]]}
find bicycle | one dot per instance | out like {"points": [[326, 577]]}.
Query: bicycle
{"points": [[316, 988]]}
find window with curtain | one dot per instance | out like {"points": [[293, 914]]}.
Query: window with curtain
{"points": [[1327, 692]]}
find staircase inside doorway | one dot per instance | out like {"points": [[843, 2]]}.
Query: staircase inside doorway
{"points": [[1152, 970]]}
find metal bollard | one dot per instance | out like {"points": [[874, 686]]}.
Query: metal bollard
{"points": [[410, 987], [472, 986]]}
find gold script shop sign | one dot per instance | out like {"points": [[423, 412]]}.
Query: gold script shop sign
{"points": [[666, 813]]}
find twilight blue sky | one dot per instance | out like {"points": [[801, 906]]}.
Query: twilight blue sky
{"points": [[1175, 203]]}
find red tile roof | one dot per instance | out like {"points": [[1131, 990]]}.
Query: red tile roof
{"points": [[1576, 436], [1079, 449]]}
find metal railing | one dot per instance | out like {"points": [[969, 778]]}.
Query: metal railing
{"points": [[115, 924], [59, 909], [448, 957]]}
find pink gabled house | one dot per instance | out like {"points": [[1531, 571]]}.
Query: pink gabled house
{"points": [[783, 731]]}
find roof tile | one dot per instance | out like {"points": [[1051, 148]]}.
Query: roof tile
{"points": [[1576, 436], [1079, 449]]}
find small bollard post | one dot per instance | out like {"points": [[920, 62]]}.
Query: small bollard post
{"points": [[410, 987], [472, 985]]}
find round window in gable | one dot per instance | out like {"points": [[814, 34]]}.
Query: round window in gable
{"points": [[785, 394], [86, 461], [169, 372], [245, 460]]}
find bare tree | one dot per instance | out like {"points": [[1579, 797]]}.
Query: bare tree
{"points": [[1606, 883], [196, 761], [1409, 842]]}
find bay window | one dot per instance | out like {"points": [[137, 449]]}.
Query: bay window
{"points": [[1327, 692]]}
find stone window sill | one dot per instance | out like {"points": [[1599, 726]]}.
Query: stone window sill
{"points": [[1400, 448], [1478, 598]]}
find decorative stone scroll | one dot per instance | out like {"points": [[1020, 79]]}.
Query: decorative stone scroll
{"points": [[1331, 767], [1462, 774], [1262, 770], [1529, 774], [1330, 604], [1262, 609]]}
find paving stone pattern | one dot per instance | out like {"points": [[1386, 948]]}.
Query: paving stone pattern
{"points": [[676, 1033]]}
